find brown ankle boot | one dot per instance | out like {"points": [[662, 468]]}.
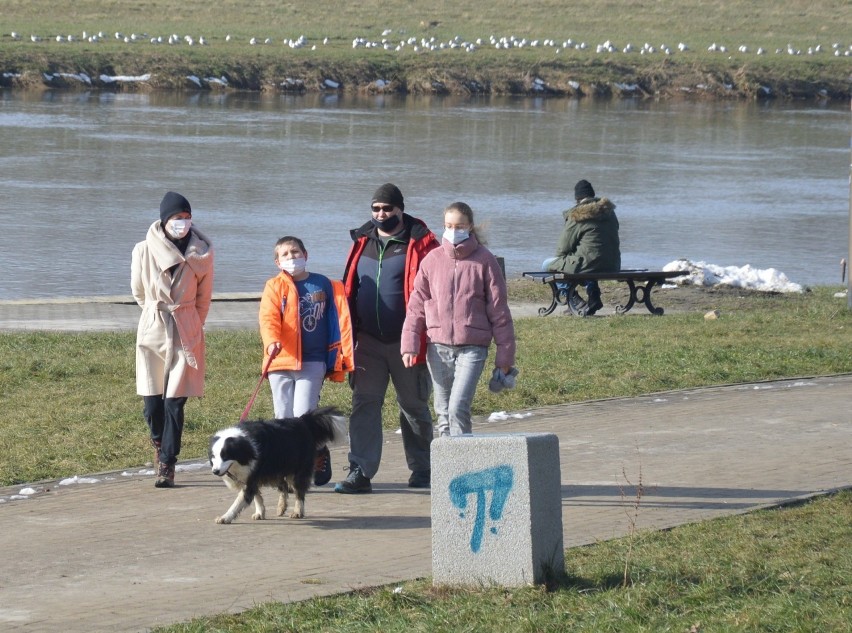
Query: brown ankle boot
{"points": [[165, 476]]}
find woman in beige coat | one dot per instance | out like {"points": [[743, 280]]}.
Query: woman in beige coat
{"points": [[172, 281]]}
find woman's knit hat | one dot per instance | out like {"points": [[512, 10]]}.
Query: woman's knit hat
{"points": [[172, 204], [582, 190]]}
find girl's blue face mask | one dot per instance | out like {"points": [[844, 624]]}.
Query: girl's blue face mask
{"points": [[456, 236]]}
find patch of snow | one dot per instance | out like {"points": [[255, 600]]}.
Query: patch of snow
{"points": [[108, 79], [502, 415], [703, 274], [78, 480], [185, 468]]}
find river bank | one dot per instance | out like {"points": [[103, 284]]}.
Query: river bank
{"points": [[446, 73]]}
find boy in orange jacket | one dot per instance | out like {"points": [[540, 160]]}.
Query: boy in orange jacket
{"points": [[305, 323]]}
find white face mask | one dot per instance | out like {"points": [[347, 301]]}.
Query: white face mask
{"points": [[178, 228], [293, 266], [456, 236]]}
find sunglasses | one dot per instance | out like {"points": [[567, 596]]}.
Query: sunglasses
{"points": [[387, 208]]}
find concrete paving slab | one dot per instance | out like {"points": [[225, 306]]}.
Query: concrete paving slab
{"points": [[91, 314], [120, 555]]}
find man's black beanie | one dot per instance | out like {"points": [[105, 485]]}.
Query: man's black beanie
{"points": [[389, 194], [172, 204], [583, 190]]}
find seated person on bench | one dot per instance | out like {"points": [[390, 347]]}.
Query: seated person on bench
{"points": [[589, 242]]}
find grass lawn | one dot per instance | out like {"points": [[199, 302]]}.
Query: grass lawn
{"points": [[782, 570]]}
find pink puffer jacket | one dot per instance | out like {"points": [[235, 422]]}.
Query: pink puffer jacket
{"points": [[460, 298]]}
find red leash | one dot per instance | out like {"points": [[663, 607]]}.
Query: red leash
{"points": [[245, 414]]}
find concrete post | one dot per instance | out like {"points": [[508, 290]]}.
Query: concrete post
{"points": [[496, 509]]}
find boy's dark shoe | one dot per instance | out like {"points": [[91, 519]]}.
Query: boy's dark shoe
{"points": [[355, 483], [420, 479], [322, 467]]}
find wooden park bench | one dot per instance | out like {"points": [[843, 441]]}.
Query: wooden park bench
{"points": [[564, 288]]}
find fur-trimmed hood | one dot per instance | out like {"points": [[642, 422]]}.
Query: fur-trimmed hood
{"points": [[590, 210]]}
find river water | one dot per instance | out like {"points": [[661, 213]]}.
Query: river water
{"points": [[729, 184]]}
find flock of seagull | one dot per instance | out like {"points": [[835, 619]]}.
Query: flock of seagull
{"points": [[389, 43], [173, 39]]}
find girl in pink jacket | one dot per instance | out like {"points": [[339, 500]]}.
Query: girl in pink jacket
{"points": [[460, 301]]}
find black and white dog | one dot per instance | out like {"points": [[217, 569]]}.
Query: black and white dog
{"points": [[277, 453]]}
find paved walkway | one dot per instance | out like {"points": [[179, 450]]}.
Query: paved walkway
{"points": [[228, 311], [110, 552], [114, 313]]}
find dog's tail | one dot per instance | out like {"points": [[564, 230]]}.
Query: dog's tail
{"points": [[329, 427]]}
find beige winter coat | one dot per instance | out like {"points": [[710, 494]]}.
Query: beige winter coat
{"points": [[170, 336]]}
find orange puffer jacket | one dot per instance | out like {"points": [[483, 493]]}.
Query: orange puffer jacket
{"points": [[279, 322]]}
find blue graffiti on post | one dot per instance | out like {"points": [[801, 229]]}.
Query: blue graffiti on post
{"points": [[498, 480]]}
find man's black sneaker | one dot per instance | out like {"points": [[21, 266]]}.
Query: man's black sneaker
{"points": [[420, 479], [355, 483]]}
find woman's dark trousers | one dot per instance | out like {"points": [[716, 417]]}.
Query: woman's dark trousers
{"points": [[165, 421]]}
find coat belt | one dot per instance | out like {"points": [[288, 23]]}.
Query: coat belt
{"points": [[177, 323]]}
